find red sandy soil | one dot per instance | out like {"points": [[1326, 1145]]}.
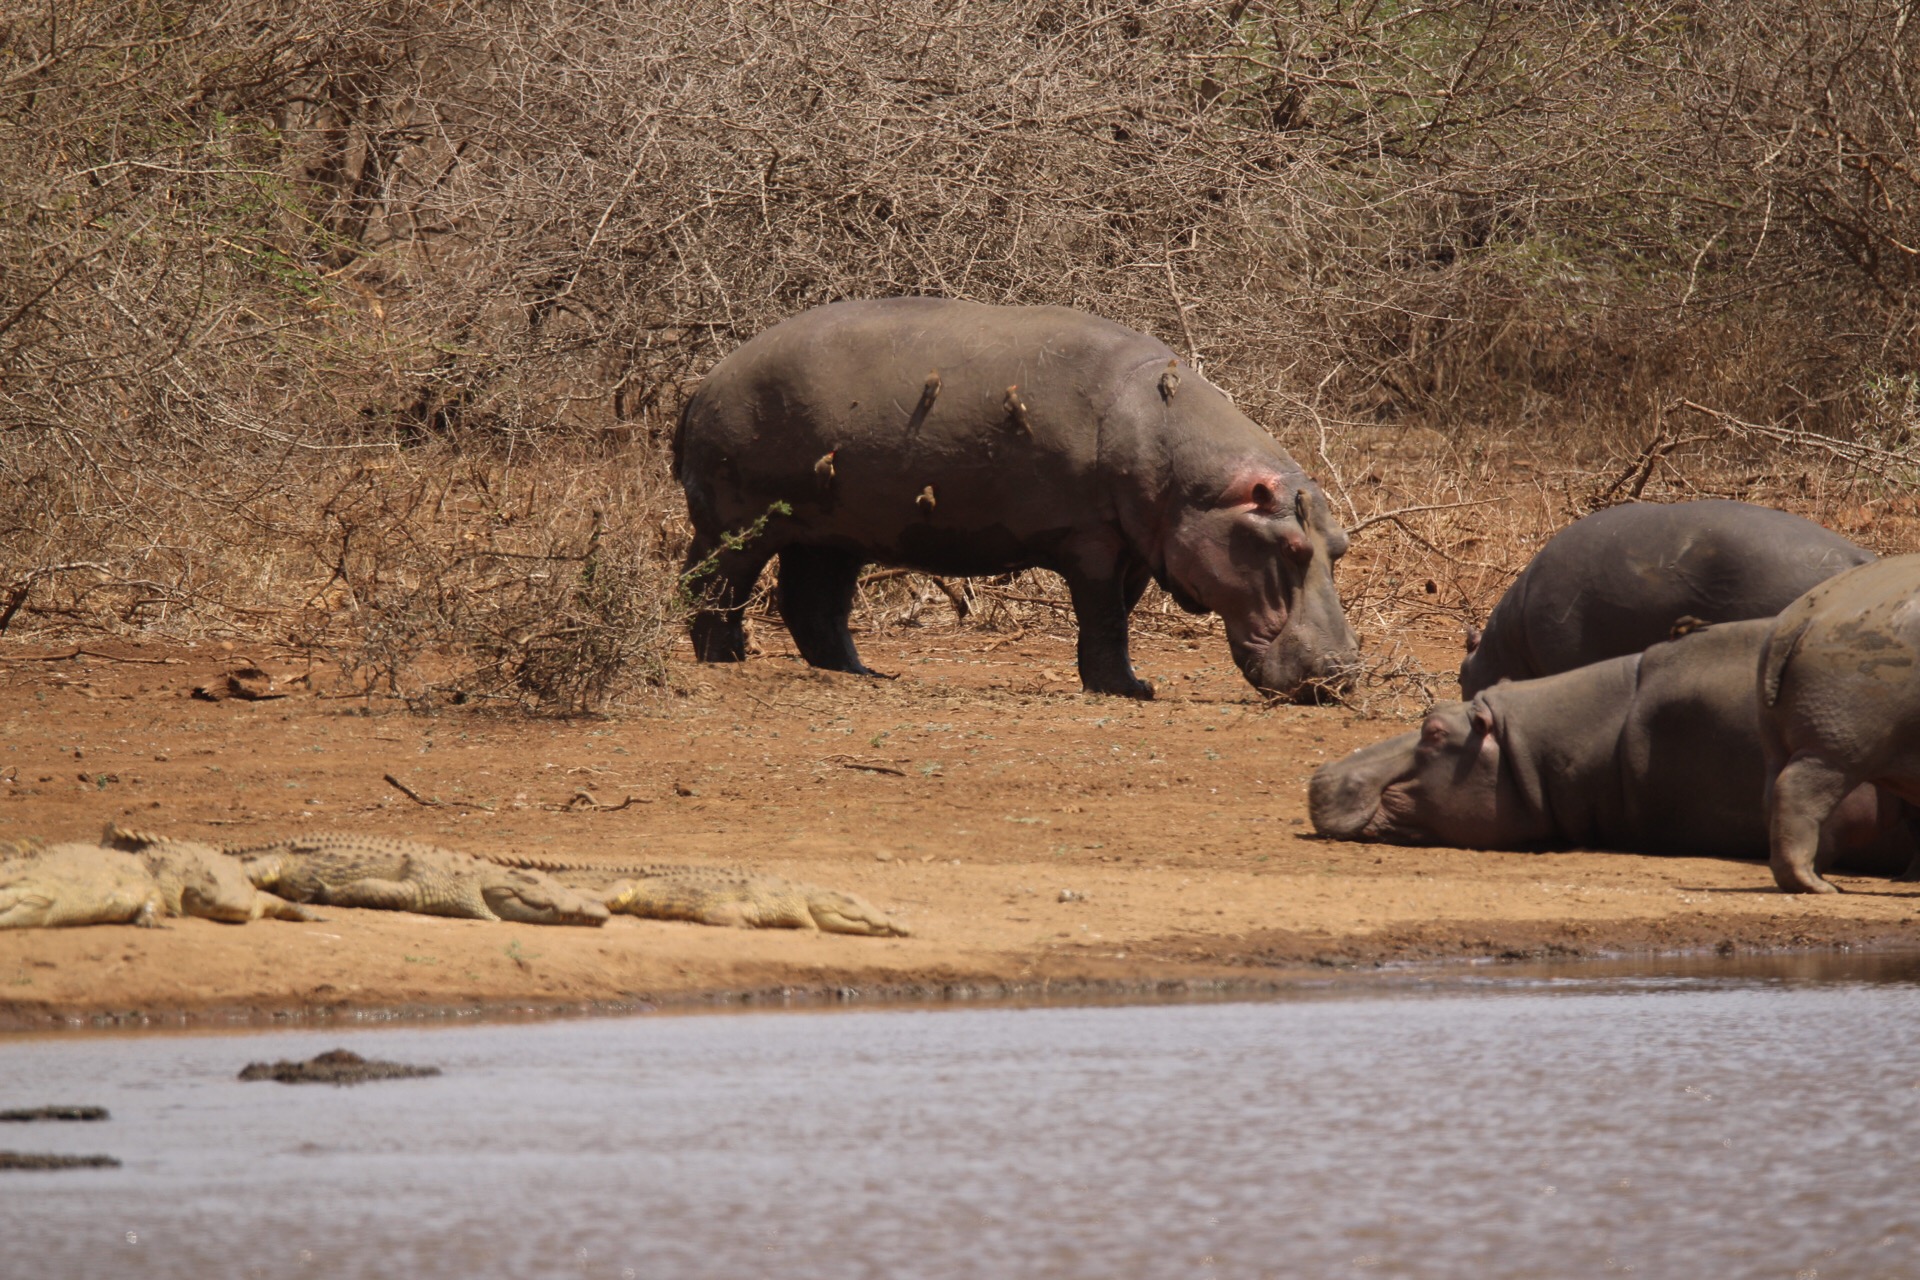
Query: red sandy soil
{"points": [[1035, 839]]}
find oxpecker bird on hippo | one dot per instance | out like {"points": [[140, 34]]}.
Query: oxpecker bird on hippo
{"points": [[958, 438]]}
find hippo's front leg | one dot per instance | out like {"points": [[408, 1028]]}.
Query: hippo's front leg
{"points": [[1799, 798], [1104, 593]]}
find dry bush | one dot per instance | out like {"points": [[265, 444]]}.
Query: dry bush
{"points": [[251, 250]]}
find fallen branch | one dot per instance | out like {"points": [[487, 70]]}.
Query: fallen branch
{"points": [[1394, 516], [1888, 464], [849, 762], [954, 595], [409, 792]]}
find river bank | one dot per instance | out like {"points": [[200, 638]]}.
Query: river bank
{"points": [[1035, 840]]}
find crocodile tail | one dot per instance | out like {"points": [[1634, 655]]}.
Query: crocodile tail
{"points": [[1775, 656]]}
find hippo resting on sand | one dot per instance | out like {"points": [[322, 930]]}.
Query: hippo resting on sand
{"points": [[1652, 753], [1840, 708], [956, 438], [1617, 581]]}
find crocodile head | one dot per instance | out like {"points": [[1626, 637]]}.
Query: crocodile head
{"points": [[532, 897], [836, 912]]}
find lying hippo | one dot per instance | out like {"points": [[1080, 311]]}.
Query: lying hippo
{"points": [[1616, 581], [1840, 708], [1654, 753], [957, 438]]}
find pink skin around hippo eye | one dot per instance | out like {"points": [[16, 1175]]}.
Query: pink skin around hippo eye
{"points": [[1259, 492]]}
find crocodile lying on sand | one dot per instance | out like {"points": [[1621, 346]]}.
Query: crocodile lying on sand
{"points": [[128, 878], [660, 891], [72, 884], [138, 876], [200, 880], [404, 875], [743, 900]]}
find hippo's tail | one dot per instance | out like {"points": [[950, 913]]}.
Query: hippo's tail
{"points": [[1774, 657], [678, 444]]}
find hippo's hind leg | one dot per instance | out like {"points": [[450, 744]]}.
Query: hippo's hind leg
{"points": [[816, 595], [721, 580], [1799, 798], [1102, 599]]}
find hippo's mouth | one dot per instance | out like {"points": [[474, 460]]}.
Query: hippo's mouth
{"points": [[1253, 653]]}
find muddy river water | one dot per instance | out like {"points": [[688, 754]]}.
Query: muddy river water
{"points": [[1692, 1122]]}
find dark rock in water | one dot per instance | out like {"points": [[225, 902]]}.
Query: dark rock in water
{"points": [[336, 1066], [40, 1160], [55, 1113]]}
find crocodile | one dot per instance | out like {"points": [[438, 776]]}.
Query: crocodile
{"points": [[405, 875], [663, 891], [129, 877], [745, 900], [75, 884], [200, 880]]}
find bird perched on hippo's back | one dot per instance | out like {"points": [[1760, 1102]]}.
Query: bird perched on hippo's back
{"points": [[958, 438]]}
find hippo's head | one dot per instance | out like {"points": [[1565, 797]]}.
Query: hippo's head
{"points": [[1442, 784], [1261, 556]]}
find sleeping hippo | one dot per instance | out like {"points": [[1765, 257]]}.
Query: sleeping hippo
{"points": [[1839, 708], [1616, 581], [1653, 753], [957, 438]]}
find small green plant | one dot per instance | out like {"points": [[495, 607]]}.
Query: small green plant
{"points": [[690, 581]]}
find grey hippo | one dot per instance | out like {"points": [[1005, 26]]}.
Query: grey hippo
{"points": [[1839, 707], [1655, 752], [1617, 580], [957, 438]]}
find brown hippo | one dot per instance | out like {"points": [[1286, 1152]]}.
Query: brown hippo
{"points": [[1616, 581], [957, 438], [1839, 708], [1655, 752]]}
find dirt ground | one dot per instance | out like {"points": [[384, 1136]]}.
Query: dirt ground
{"points": [[1036, 840]]}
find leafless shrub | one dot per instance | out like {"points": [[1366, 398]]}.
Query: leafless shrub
{"points": [[252, 249]]}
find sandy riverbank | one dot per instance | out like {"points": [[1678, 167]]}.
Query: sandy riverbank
{"points": [[1034, 839]]}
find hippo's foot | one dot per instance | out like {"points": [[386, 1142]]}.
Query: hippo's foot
{"points": [[717, 638], [1792, 880], [1131, 687], [1799, 798]]}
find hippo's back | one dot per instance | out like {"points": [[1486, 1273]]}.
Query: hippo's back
{"points": [[949, 436], [1616, 581], [856, 371]]}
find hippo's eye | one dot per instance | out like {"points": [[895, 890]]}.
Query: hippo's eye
{"points": [[1300, 505]]}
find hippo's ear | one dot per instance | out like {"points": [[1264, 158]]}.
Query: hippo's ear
{"points": [[1264, 497], [1481, 715], [1473, 639]]}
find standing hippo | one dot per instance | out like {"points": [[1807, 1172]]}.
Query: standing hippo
{"points": [[1616, 581], [1653, 753], [1839, 708], [956, 438]]}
